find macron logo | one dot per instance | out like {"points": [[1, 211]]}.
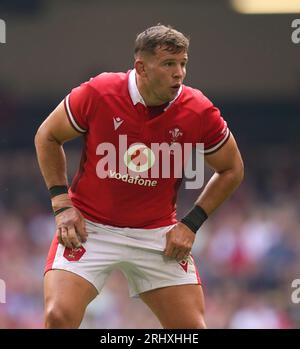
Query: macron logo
{"points": [[117, 122]]}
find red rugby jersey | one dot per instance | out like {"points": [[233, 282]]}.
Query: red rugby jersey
{"points": [[109, 106]]}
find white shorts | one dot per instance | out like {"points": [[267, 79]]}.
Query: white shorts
{"points": [[138, 253]]}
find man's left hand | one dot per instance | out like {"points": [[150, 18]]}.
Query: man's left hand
{"points": [[179, 243]]}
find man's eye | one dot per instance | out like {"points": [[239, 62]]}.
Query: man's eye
{"points": [[169, 64]]}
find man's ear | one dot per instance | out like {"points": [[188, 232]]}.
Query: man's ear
{"points": [[139, 66]]}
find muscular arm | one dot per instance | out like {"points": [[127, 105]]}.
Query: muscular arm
{"points": [[229, 172], [51, 135]]}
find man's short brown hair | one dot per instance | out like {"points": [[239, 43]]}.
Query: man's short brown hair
{"points": [[161, 36]]}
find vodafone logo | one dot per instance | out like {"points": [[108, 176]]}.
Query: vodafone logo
{"points": [[139, 158], [141, 164]]}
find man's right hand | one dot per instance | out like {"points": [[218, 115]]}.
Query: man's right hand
{"points": [[70, 223], [71, 228]]}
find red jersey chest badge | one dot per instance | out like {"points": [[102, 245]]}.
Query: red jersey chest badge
{"points": [[174, 135]]}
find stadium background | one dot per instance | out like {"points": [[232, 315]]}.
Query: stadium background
{"points": [[248, 252]]}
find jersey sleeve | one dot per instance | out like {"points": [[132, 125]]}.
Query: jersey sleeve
{"points": [[215, 131], [80, 104]]}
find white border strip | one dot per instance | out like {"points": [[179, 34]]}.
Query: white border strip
{"points": [[74, 123], [219, 144]]}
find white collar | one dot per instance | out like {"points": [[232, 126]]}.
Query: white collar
{"points": [[133, 89], [135, 93]]}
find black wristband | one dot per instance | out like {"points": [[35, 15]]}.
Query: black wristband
{"points": [[60, 210], [195, 218], [58, 190]]}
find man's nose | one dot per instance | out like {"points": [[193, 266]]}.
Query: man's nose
{"points": [[179, 72]]}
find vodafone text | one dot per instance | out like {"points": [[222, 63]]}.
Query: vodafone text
{"points": [[139, 164]]}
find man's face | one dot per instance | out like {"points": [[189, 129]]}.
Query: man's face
{"points": [[163, 74]]}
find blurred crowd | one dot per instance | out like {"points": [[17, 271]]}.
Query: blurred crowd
{"points": [[248, 252]]}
